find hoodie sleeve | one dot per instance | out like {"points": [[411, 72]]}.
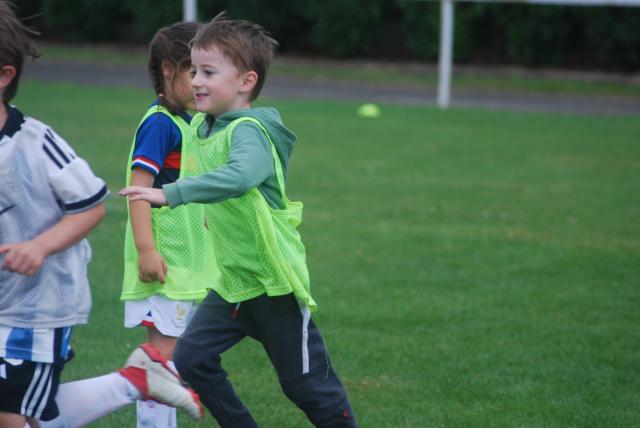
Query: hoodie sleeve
{"points": [[250, 163]]}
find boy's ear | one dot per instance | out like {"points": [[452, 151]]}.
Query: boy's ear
{"points": [[7, 73], [249, 80]]}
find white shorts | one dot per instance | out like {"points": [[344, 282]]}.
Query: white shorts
{"points": [[170, 317]]}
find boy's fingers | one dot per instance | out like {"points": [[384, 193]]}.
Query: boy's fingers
{"points": [[22, 266], [129, 191], [138, 197], [5, 248], [9, 261]]}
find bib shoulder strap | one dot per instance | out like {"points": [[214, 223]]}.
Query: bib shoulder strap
{"points": [[274, 152], [158, 108]]}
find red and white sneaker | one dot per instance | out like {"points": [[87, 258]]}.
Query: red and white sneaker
{"points": [[148, 371]]}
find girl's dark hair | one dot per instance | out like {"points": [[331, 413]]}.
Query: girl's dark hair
{"points": [[171, 45], [15, 46]]}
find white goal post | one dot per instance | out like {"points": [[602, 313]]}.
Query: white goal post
{"points": [[190, 10], [446, 35], [445, 57]]}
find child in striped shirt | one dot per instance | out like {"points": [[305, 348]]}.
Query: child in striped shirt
{"points": [[50, 200]]}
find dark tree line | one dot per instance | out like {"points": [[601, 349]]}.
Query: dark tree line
{"points": [[516, 34]]}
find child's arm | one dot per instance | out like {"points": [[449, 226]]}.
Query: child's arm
{"points": [[27, 257], [250, 163], [151, 264]]}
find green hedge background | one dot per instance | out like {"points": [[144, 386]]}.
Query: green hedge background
{"points": [[605, 38]]}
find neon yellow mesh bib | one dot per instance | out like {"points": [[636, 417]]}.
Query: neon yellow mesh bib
{"points": [[179, 235], [258, 249]]}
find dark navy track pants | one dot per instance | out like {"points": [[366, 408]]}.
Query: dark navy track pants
{"points": [[292, 342]]}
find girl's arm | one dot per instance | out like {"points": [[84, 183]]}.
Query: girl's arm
{"points": [[151, 264], [27, 257]]}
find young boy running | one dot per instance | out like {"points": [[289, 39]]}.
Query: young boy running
{"points": [[264, 287], [49, 202]]}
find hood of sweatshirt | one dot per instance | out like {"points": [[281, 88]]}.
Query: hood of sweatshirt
{"points": [[283, 139]]}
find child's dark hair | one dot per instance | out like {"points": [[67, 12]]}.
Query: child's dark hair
{"points": [[247, 45], [15, 45], [170, 45]]}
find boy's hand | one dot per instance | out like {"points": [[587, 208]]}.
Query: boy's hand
{"points": [[139, 193], [25, 258], [151, 266]]}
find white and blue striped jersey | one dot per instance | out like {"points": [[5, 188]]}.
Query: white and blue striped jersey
{"points": [[42, 345], [41, 181]]}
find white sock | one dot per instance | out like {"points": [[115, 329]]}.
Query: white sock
{"points": [[87, 400], [151, 414]]}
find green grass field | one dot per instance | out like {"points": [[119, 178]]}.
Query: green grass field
{"points": [[473, 268]]}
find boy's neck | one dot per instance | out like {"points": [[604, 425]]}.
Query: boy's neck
{"points": [[243, 106], [208, 126]]}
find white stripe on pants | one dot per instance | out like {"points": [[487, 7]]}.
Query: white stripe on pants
{"points": [[306, 316]]}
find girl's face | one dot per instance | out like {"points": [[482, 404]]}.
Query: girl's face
{"points": [[180, 93]]}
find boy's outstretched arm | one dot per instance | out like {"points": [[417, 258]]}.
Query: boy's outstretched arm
{"points": [[139, 193], [249, 164], [27, 257]]}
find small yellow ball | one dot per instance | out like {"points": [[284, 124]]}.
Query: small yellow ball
{"points": [[368, 110]]}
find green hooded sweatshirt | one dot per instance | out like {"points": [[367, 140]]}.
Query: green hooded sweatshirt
{"points": [[250, 162]]}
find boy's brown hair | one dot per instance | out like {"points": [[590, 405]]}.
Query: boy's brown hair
{"points": [[247, 45], [15, 45]]}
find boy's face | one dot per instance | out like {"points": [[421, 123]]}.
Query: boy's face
{"points": [[217, 85]]}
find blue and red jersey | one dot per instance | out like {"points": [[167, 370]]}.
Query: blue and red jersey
{"points": [[158, 147]]}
